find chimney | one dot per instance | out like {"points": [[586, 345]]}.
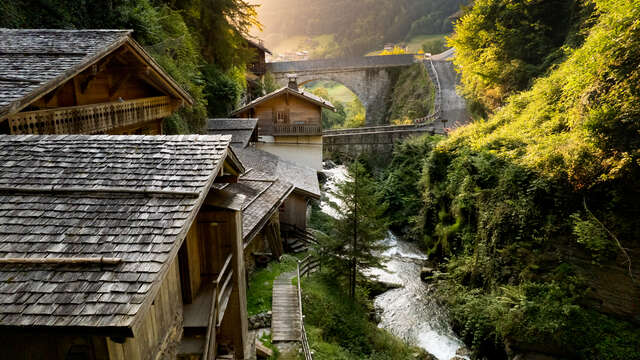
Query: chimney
{"points": [[293, 81]]}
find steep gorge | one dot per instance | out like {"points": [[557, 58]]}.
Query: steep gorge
{"points": [[533, 212]]}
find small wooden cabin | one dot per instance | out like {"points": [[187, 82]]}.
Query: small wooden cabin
{"points": [[289, 123], [120, 248], [82, 82]]}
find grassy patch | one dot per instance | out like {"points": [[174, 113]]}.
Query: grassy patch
{"points": [[261, 284], [415, 43]]}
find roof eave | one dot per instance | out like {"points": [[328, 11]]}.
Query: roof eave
{"points": [[179, 91]]}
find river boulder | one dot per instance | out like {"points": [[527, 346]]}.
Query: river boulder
{"points": [[426, 273]]}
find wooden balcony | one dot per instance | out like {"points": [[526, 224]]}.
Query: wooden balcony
{"points": [[90, 119], [291, 130]]}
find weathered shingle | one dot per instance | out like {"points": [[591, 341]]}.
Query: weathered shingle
{"points": [[31, 58], [241, 130], [79, 196], [304, 179], [263, 195]]}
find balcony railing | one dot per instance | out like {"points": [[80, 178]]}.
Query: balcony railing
{"points": [[290, 129], [90, 119]]}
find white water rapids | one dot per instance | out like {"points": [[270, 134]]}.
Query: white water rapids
{"points": [[407, 312]]}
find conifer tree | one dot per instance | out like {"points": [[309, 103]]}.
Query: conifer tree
{"points": [[355, 242]]}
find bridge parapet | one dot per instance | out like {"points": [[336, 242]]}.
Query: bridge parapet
{"points": [[379, 140], [362, 62]]}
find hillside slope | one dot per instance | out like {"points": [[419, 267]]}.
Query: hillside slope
{"points": [[534, 214]]}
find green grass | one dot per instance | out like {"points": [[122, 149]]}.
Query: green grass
{"points": [[335, 90], [261, 284], [414, 44]]}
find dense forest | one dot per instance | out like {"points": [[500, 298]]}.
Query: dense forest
{"points": [[532, 213], [200, 43], [358, 26]]}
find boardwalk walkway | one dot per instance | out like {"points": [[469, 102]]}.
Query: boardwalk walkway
{"points": [[285, 321]]}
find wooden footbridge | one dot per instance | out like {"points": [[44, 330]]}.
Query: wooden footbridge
{"points": [[285, 318]]}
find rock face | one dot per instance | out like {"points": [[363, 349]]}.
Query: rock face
{"points": [[260, 321], [426, 273]]}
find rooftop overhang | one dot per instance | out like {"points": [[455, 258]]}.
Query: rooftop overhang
{"points": [[147, 69]]}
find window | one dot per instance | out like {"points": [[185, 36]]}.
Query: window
{"points": [[281, 116]]}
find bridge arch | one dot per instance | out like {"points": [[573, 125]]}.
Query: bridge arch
{"points": [[370, 78], [335, 81]]}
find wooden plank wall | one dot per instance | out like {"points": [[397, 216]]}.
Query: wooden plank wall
{"points": [[295, 211]]}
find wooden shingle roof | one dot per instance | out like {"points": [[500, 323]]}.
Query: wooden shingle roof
{"points": [[241, 130], [304, 179], [35, 61], [263, 196], [130, 198]]}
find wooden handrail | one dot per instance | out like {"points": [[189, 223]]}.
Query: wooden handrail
{"points": [[90, 119], [210, 340], [227, 262], [303, 333], [220, 285]]}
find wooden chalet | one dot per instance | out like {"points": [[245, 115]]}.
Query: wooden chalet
{"points": [[120, 247], [82, 82], [289, 123]]}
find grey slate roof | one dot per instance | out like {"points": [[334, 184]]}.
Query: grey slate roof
{"points": [[127, 197], [241, 130], [263, 196], [304, 179], [34, 60], [299, 93]]}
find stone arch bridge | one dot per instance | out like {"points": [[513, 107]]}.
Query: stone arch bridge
{"points": [[368, 77]]}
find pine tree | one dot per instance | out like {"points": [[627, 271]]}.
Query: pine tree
{"points": [[355, 242]]}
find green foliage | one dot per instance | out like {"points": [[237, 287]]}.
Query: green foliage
{"points": [[412, 96], [348, 114], [358, 26], [259, 293], [592, 236], [434, 46], [503, 44], [504, 199], [338, 327], [266, 341], [223, 91], [401, 179], [355, 237], [545, 313]]}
